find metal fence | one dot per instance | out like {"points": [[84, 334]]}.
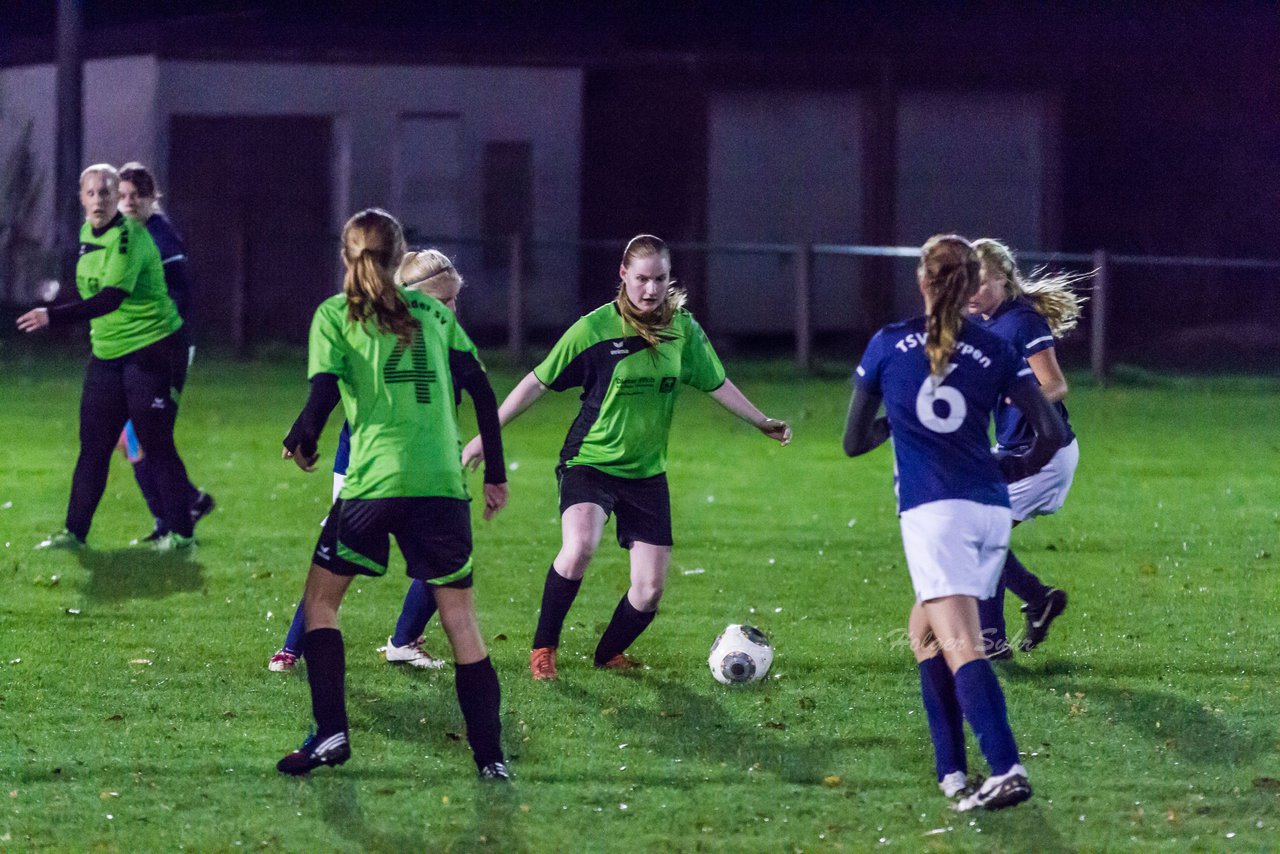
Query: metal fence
{"points": [[1186, 309]]}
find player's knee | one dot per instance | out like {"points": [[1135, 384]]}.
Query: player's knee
{"points": [[645, 595], [574, 557]]}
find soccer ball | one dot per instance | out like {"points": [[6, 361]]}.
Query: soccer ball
{"points": [[740, 654]]}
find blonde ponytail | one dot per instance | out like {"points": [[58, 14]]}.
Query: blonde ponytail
{"points": [[1052, 295], [372, 245], [949, 272]]}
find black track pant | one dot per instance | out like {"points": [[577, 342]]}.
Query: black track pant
{"points": [[142, 386]]}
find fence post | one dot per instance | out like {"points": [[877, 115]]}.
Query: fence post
{"points": [[1098, 326], [239, 285], [515, 301], [804, 307]]}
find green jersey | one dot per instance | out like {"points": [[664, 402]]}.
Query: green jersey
{"points": [[629, 388], [398, 398], [122, 255]]}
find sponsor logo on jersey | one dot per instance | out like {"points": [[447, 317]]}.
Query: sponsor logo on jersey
{"points": [[667, 384], [633, 385]]}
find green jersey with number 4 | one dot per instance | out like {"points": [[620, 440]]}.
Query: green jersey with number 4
{"points": [[629, 388], [122, 255], [398, 399]]}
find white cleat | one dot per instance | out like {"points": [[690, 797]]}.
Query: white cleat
{"points": [[998, 792], [954, 784], [411, 654]]}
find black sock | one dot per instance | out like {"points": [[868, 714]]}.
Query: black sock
{"points": [[558, 594], [624, 628], [479, 697], [1023, 582], [326, 671]]}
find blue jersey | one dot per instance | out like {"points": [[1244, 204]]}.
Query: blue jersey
{"points": [[173, 255], [1022, 326], [939, 426]]}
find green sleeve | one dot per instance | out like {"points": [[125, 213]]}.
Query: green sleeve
{"points": [[562, 369], [326, 351], [699, 365], [124, 264]]}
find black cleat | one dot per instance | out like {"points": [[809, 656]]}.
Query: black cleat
{"points": [[495, 771], [996, 793], [314, 752], [202, 506], [1041, 616], [157, 533]]}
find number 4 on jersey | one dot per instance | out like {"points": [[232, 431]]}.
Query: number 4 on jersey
{"points": [[933, 390], [417, 372]]}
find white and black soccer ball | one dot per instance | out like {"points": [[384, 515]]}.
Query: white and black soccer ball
{"points": [[740, 654]]}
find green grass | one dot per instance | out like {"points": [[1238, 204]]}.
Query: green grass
{"points": [[137, 713]]}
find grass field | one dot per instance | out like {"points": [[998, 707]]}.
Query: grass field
{"points": [[137, 713]]}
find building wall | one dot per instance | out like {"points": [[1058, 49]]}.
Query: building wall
{"points": [[787, 167], [783, 167], [981, 165], [129, 101]]}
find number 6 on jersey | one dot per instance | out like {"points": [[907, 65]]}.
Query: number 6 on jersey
{"points": [[931, 391]]}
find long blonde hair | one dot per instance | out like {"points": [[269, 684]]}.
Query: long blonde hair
{"points": [[372, 245], [949, 271], [652, 326], [429, 271], [1052, 295]]}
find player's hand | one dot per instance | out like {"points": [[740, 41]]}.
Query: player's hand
{"points": [[304, 462], [779, 431], [37, 318], [495, 498], [473, 455]]}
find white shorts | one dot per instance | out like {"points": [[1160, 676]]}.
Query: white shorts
{"points": [[955, 547], [1045, 491]]}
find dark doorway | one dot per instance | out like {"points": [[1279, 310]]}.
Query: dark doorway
{"points": [[252, 197]]}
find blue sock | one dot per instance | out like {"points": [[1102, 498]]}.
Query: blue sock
{"points": [[991, 615], [1022, 581], [293, 640], [946, 722], [983, 702], [419, 605]]}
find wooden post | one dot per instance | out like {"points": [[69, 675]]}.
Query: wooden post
{"points": [[239, 283], [515, 301], [69, 142], [1098, 312], [804, 307]]}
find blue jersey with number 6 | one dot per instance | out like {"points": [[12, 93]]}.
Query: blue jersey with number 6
{"points": [[939, 424]]}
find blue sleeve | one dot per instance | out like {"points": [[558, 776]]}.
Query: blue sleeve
{"points": [[166, 238], [1033, 334], [868, 374], [1012, 367]]}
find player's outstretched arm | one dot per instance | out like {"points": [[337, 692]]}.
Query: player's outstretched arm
{"points": [[103, 302], [731, 398], [863, 431], [521, 398]]}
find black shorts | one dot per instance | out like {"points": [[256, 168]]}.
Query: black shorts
{"points": [[434, 535], [642, 505]]}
